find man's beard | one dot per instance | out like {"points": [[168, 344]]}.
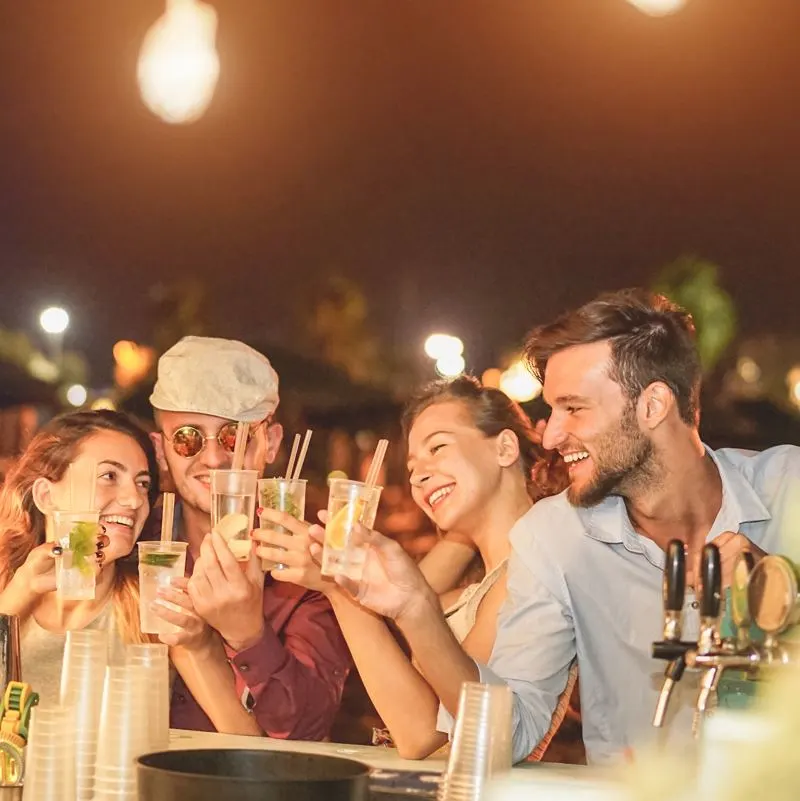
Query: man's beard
{"points": [[624, 461]]}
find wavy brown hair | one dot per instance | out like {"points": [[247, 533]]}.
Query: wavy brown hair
{"points": [[651, 339], [49, 454], [492, 412]]}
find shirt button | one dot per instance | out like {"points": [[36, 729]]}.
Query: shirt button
{"points": [[244, 667], [180, 699], [695, 604]]}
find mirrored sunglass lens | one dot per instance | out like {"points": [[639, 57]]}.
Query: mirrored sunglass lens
{"points": [[187, 441], [227, 436]]}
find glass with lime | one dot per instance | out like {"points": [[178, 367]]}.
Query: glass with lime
{"points": [[159, 562], [76, 567], [284, 495]]}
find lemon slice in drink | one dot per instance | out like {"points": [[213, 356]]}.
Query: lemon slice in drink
{"points": [[231, 525], [341, 524]]}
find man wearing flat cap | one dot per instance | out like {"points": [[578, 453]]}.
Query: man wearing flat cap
{"points": [[288, 658]]}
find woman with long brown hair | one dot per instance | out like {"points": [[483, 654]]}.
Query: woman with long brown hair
{"points": [[126, 488], [476, 467]]}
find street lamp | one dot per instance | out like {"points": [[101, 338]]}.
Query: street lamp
{"points": [[519, 383], [77, 395], [451, 365], [658, 8], [178, 64], [446, 351], [438, 346], [54, 322]]}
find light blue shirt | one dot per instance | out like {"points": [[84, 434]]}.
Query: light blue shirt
{"points": [[582, 583]]}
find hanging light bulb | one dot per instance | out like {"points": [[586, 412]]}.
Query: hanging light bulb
{"points": [[178, 64], [658, 8]]}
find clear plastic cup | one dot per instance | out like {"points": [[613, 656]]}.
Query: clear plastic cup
{"points": [[50, 755], [154, 659], [82, 674], [349, 502], [76, 568], [284, 495], [159, 563], [481, 747], [233, 508], [124, 730]]}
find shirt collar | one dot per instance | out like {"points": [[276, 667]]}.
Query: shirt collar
{"points": [[608, 521]]}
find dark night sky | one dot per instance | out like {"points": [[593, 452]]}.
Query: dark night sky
{"points": [[485, 162]]}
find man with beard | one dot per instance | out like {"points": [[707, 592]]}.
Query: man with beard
{"points": [[622, 376]]}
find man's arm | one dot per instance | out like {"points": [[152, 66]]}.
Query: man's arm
{"points": [[534, 647], [296, 681]]}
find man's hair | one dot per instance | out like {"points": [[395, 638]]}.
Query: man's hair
{"points": [[651, 339]]}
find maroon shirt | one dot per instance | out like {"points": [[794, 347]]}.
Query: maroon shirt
{"points": [[292, 680]]}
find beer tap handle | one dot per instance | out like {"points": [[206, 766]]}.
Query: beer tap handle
{"points": [[674, 594], [740, 608], [710, 582], [674, 589]]}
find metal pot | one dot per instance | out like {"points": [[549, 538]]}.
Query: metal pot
{"points": [[240, 775]]}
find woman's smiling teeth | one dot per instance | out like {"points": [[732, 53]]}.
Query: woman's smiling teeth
{"points": [[437, 496], [575, 456], [119, 520]]}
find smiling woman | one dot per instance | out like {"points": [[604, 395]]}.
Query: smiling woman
{"points": [[126, 484]]}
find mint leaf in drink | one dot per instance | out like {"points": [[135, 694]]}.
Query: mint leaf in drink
{"points": [[272, 498], [82, 543], [160, 559]]}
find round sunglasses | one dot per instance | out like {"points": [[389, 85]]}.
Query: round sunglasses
{"points": [[188, 440]]}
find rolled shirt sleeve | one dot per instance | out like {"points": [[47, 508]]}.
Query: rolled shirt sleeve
{"points": [[534, 646], [292, 679]]}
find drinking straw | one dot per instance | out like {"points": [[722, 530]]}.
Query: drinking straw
{"points": [[240, 445], [293, 456], [167, 516], [377, 462], [82, 486], [302, 457]]}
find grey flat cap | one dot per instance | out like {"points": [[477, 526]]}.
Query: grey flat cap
{"points": [[220, 377]]}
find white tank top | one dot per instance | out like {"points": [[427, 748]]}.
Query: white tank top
{"points": [[462, 614]]}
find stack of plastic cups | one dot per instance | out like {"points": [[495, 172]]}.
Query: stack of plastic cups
{"points": [[154, 659], [481, 749], [82, 674], [124, 733], [50, 755]]}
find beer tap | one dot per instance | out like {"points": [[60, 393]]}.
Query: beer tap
{"points": [[708, 641], [767, 594], [671, 646], [740, 607]]}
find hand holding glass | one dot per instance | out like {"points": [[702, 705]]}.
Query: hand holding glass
{"points": [[349, 502]]}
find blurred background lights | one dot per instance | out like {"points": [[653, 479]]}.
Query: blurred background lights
{"points": [[793, 382], [519, 384], [450, 365], [178, 64], [54, 320], [104, 404], [658, 8], [748, 370], [442, 346], [76, 395]]}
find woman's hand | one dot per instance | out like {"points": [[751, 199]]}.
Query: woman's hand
{"points": [[391, 583], [195, 634], [297, 550], [37, 575]]}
